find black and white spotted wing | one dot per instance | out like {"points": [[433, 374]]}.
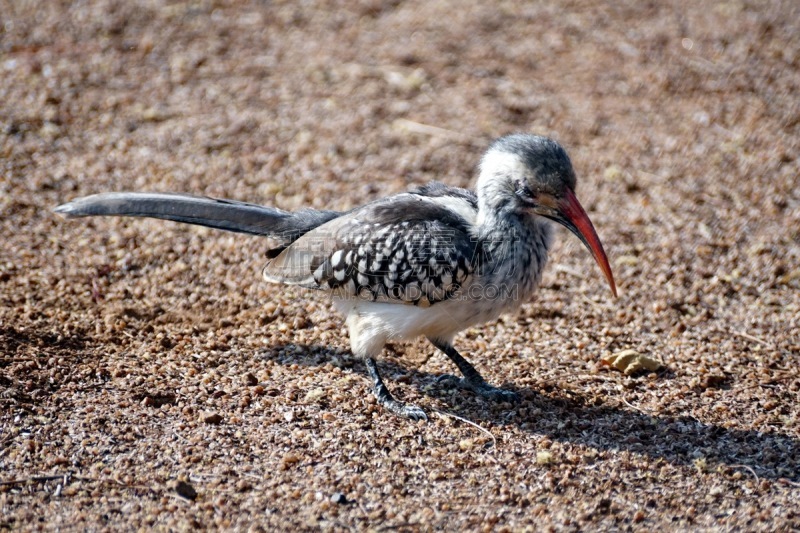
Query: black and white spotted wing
{"points": [[407, 248]]}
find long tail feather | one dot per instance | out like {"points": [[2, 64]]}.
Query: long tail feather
{"points": [[229, 215]]}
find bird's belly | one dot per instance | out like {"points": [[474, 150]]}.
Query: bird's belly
{"points": [[442, 320]]}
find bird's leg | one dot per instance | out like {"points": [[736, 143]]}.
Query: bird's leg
{"points": [[472, 379], [386, 399]]}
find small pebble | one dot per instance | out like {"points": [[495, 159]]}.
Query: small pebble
{"points": [[185, 490], [212, 418], [339, 498]]}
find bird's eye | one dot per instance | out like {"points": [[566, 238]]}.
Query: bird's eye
{"points": [[525, 193]]}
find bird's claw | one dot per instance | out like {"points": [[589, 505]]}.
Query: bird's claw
{"points": [[451, 381], [496, 393], [481, 388], [407, 410], [413, 412]]}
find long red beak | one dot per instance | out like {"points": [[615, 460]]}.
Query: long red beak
{"points": [[577, 221]]}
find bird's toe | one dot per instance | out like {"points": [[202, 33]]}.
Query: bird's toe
{"points": [[482, 389], [414, 413], [407, 410], [503, 395], [451, 381], [496, 394]]}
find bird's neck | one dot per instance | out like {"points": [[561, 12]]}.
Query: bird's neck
{"points": [[514, 243], [515, 235], [495, 195]]}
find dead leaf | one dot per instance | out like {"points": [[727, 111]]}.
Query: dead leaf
{"points": [[630, 361]]}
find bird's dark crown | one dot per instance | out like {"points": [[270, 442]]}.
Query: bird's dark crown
{"points": [[549, 169]]}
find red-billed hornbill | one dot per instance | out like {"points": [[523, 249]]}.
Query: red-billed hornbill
{"points": [[429, 262]]}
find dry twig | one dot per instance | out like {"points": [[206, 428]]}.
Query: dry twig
{"points": [[749, 469], [626, 402], [471, 423]]}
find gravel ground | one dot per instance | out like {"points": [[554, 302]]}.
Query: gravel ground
{"points": [[148, 378]]}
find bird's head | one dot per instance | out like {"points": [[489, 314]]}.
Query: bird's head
{"points": [[533, 176]]}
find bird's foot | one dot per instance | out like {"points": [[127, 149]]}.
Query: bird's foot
{"points": [[407, 410], [472, 379], [386, 399], [481, 388]]}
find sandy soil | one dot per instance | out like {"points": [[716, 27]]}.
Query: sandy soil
{"points": [[148, 378]]}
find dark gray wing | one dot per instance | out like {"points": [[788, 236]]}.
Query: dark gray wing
{"points": [[408, 248]]}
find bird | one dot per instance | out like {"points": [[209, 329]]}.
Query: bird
{"points": [[429, 262]]}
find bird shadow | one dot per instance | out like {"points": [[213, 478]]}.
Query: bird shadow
{"points": [[568, 417]]}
